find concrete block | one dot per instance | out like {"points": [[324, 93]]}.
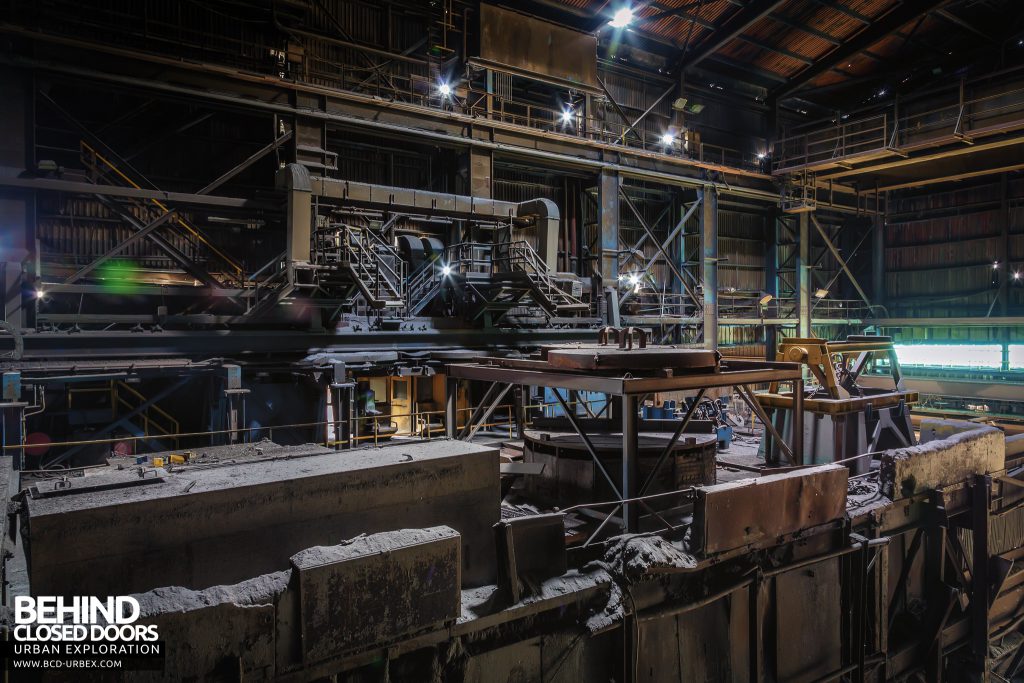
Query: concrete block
{"points": [[377, 589], [220, 525], [962, 450], [224, 632]]}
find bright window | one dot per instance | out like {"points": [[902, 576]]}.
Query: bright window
{"points": [[1017, 356], [951, 355]]}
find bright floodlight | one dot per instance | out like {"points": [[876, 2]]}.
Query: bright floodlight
{"points": [[821, 293], [446, 271], [1016, 275], [567, 116], [761, 156], [765, 300], [40, 294], [634, 279], [668, 139], [622, 18], [444, 89]]}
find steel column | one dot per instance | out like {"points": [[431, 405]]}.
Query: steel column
{"points": [[803, 268], [771, 284], [878, 257], [709, 240], [981, 493], [608, 225], [451, 398], [630, 469]]}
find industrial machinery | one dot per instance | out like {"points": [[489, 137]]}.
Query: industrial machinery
{"points": [[842, 418], [621, 365]]}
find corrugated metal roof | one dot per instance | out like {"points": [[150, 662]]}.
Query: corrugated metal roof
{"points": [[780, 42]]}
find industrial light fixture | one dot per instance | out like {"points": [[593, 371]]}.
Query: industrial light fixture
{"points": [[765, 300], [622, 18], [995, 265], [40, 294], [446, 270], [667, 138], [821, 293], [444, 90], [1016, 275], [567, 115]]}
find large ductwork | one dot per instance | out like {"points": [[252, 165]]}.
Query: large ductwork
{"points": [[547, 217]]}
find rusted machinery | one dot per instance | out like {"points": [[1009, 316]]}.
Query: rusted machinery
{"points": [[841, 418], [626, 369]]}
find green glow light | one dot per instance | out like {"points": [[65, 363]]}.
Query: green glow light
{"points": [[118, 277]]}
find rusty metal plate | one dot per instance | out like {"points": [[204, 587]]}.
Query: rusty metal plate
{"points": [[595, 357], [741, 513]]}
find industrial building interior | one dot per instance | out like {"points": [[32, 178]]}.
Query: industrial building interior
{"points": [[534, 340]]}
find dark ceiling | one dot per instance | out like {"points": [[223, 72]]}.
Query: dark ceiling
{"points": [[804, 49]]}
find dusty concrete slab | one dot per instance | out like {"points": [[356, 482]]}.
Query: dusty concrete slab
{"points": [[377, 589], [223, 524], [952, 452]]}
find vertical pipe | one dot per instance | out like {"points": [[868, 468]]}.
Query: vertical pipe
{"points": [[630, 511], [709, 239]]}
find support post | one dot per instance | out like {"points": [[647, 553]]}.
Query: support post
{"points": [[878, 257], [608, 241], [709, 240], [12, 419], [798, 422], [771, 284], [803, 274], [981, 493], [630, 469], [451, 401]]}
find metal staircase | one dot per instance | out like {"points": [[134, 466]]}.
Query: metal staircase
{"points": [[349, 256], [548, 294], [494, 279]]}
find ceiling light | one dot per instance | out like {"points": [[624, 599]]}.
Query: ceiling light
{"points": [[821, 293], [621, 18], [444, 90]]}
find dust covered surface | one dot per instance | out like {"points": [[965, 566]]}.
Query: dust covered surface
{"points": [[371, 544], [261, 590]]}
